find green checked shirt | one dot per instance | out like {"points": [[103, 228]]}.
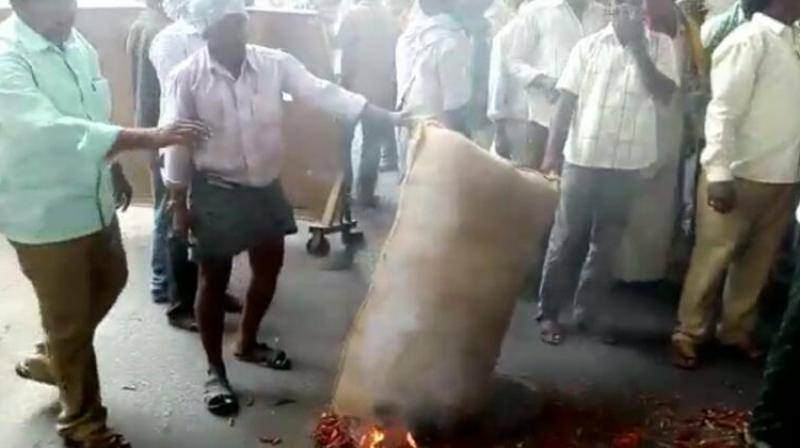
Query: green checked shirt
{"points": [[55, 105]]}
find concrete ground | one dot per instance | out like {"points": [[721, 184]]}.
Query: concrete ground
{"points": [[152, 375]]}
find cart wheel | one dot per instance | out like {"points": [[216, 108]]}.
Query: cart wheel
{"points": [[318, 245]]}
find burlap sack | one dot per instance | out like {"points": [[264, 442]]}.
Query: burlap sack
{"points": [[427, 338]]}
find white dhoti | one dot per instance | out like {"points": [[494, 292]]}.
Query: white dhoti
{"points": [[645, 251]]}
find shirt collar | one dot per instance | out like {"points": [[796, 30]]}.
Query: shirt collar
{"points": [[33, 41], [217, 68], [773, 25]]}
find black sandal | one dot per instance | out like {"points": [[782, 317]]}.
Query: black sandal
{"points": [[551, 333], [219, 396], [266, 356]]}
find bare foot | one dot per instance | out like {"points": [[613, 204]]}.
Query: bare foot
{"points": [[551, 332]]}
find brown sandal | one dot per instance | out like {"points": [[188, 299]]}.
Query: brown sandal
{"points": [[684, 352], [104, 439]]}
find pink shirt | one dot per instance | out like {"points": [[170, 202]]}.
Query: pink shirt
{"points": [[245, 114]]}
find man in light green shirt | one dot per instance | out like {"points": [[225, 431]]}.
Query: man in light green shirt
{"points": [[56, 199]]}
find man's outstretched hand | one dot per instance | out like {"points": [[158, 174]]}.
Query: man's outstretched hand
{"points": [[181, 132]]}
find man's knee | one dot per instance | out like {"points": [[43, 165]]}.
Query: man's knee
{"points": [[214, 275]]}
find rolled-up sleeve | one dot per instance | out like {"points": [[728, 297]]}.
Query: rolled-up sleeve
{"points": [[572, 76], [524, 41], [28, 113], [319, 93], [733, 75], [179, 104]]}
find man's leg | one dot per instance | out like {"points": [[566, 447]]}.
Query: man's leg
{"points": [[210, 309], [717, 239], [219, 397], [370, 163], [266, 261], [537, 143], [771, 210], [566, 249], [72, 301], [615, 192], [159, 276], [775, 416]]}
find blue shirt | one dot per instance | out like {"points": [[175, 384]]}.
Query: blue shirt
{"points": [[55, 105]]}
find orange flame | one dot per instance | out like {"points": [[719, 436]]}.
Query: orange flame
{"points": [[377, 438], [373, 438]]}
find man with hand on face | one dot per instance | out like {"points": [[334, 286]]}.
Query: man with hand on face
{"points": [[605, 130], [235, 202], [56, 199], [751, 167]]}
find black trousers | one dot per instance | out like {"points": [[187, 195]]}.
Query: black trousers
{"points": [[374, 141], [775, 418]]}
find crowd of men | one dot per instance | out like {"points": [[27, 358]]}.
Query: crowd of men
{"points": [[649, 120]]}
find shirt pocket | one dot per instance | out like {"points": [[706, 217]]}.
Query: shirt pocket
{"points": [[99, 103], [266, 108]]}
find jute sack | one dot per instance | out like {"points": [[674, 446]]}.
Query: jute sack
{"points": [[426, 340]]}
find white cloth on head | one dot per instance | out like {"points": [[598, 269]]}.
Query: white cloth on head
{"points": [[202, 14]]}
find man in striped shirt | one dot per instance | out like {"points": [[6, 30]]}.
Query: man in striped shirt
{"points": [[605, 130]]}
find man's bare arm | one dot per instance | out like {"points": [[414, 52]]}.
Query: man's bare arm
{"points": [[559, 131], [658, 84]]}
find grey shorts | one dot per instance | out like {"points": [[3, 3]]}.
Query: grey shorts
{"points": [[228, 219]]}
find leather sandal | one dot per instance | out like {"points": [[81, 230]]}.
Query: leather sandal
{"points": [[104, 439]]}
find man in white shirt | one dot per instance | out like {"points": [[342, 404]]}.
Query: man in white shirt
{"points": [[547, 33], [610, 86], [433, 67], [434, 77], [751, 167], [235, 201], [176, 42], [507, 107]]}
